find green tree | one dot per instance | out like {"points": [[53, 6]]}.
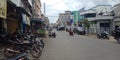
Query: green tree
{"points": [[86, 24]]}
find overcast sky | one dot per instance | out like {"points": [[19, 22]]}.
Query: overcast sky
{"points": [[54, 7]]}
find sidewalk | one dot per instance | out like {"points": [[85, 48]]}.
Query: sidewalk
{"points": [[1, 52], [94, 36]]}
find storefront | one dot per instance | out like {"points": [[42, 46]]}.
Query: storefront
{"points": [[3, 13], [17, 18], [37, 26], [12, 17]]}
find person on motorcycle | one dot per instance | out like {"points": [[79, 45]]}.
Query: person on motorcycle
{"points": [[71, 31]]}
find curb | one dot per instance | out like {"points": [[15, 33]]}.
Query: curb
{"points": [[93, 36]]}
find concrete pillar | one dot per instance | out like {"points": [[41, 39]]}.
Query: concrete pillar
{"points": [[113, 24], [98, 27]]}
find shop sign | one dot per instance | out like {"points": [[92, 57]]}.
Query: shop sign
{"points": [[27, 20], [3, 8]]}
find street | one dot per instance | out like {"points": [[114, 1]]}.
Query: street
{"points": [[79, 47]]}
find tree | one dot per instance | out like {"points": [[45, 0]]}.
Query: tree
{"points": [[86, 24]]}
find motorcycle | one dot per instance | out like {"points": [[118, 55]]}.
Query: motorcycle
{"points": [[52, 34], [71, 33], [22, 44], [103, 35], [21, 56], [117, 35]]}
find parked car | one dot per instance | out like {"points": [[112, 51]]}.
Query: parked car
{"points": [[80, 31], [60, 28]]}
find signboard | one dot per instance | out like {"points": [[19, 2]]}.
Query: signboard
{"points": [[3, 9], [27, 20]]}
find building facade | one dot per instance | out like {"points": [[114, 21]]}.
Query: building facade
{"points": [[67, 16], [64, 18], [3, 13], [116, 14], [76, 17], [37, 9], [24, 12], [99, 18]]}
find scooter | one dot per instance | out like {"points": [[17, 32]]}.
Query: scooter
{"points": [[71, 33], [52, 34], [103, 36], [117, 36]]}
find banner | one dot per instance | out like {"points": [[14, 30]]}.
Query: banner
{"points": [[27, 20], [3, 9]]}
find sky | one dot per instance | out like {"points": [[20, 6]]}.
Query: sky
{"points": [[54, 7]]}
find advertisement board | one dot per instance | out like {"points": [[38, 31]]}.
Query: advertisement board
{"points": [[3, 8]]}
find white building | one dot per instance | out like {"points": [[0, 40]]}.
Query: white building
{"points": [[116, 14], [99, 17], [64, 18], [61, 19]]}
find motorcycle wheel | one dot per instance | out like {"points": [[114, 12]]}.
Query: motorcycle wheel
{"points": [[8, 51], [36, 51]]}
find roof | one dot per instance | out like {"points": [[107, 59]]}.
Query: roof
{"points": [[98, 5], [36, 20], [88, 12], [117, 5], [92, 10]]}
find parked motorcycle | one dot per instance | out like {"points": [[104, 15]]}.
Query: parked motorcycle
{"points": [[21, 56], [117, 35], [103, 35], [22, 44], [52, 34]]}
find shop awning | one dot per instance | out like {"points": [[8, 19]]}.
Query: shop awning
{"points": [[36, 20]]}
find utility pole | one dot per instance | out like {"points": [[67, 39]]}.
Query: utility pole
{"points": [[44, 9], [33, 9]]}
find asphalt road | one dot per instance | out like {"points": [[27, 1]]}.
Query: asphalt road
{"points": [[78, 47]]}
